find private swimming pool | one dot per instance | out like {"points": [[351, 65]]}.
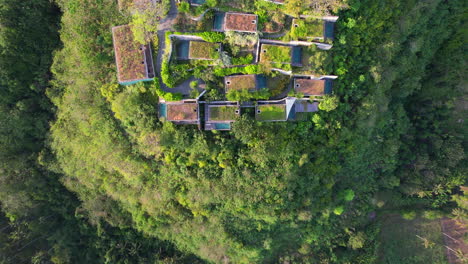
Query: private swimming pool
{"points": [[222, 126], [198, 2], [297, 55], [162, 110], [261, 81], [218, 22], [329, 30], [182, 49]]}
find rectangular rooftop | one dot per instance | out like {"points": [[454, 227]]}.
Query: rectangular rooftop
{"points": [[240, 22], [134, 60]]}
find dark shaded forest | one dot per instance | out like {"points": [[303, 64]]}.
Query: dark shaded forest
{"points": [[93, 178]]}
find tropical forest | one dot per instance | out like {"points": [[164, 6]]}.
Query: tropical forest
{"points": [[233, 131]]}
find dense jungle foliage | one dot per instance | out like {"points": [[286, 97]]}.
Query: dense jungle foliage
{"points": [[93, 177]]}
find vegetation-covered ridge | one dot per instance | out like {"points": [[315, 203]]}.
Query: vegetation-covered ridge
{"points": [[96, 177]]}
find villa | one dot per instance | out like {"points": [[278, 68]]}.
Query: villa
{"points": [[239, 22], [180, 112], [134, 61], [251, 82], [220, 115]]}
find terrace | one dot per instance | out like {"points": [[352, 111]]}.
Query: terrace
{"points": [[271, 112], [312, 87], [236, 22], [181, 112], [134, 61]]}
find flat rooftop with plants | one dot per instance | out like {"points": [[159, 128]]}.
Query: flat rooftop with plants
{"points": [[271, 112], [204, 50]]}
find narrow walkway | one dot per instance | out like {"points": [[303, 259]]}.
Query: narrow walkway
{"points": [[164, 25]]}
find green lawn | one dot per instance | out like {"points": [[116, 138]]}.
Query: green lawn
{"points": [[271, 112], [400, 245], [221, 113]]}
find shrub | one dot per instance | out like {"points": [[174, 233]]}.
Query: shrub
{"points": [[329, 103], [408, 215], [193, 84], [212, 36], [241, 39], [184, 7], [338, 210], [243, 60]]}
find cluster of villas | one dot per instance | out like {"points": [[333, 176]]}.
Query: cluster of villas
{"points": [[135, 63]]}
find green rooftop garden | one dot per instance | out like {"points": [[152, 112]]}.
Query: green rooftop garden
{"points": [[302, 29], [222, 113], [204, 50], [275, 53], [271, 112]]}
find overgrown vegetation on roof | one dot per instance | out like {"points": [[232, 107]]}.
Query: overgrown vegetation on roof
{"points": [[271, 112], [129, 55], [302, 29], [204, 50], [275, 53]]}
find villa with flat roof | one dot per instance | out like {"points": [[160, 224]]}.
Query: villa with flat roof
{"points": [[280, 54], [241, 82], [180, 112], [239, 22], [312, 87], [220, 115], [134, 61]]}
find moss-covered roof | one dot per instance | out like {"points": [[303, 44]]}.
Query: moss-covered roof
{"points": [[182, 112], [204, 50], [129, 54], [275, 53], [240, 82]]}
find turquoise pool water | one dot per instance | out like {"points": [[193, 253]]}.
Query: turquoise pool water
{"points": [[222, 126], [297, 55], [182, 49], [133, 82], [199, 2], [218, 21], [328, 86], [162, 110], [329, 30], [261, 81]]}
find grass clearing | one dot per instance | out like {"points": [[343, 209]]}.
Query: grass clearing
{"points": [[399, 243]]}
